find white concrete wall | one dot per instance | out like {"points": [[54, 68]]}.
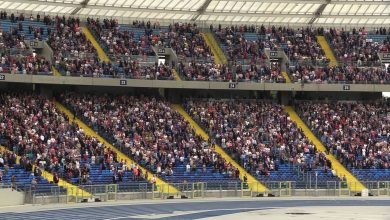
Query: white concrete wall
{"points": [[9, 197]]}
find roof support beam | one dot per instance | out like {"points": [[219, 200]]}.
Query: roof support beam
{"points": [[201, 10], [75, 11], [319, 12], [82, 5]]}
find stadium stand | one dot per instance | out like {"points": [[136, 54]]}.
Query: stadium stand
{"points": [[241, 73], [248, 42], [74, 55], [22, 176], [358, 47], [339, 74], [250, 61], [42, 135], [17, 57], [122, 41], [153, 135], [31, 28], [261, 137], [356, 133]]}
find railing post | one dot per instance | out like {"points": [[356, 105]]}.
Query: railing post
{"points": [[66, 195], [152, 191], [116, 192], [106, 192], [242, 189], [203, 189], [77, 194], [193, 191]]}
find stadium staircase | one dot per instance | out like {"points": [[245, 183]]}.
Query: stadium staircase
{"points": [[55, 71], [102, 55], [219, 56], [162, 186], [353, 183], [328, 51], [176, 75], [253, 183], [44, 185], [286, 77]]}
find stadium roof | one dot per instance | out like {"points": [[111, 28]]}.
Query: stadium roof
{"points": [[288, 12]]}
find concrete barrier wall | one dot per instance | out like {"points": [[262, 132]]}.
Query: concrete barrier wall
{"points": [[110, 82], [10, 198]]}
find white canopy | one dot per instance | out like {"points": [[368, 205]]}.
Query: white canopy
{"points": [[288, 12]]}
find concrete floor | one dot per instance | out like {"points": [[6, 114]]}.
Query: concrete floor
{"points": [[219, 209]]}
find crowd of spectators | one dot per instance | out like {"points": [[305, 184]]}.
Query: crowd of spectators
{"points": [[358, 134], [150, 131], [184, 38], [119, 42], [121, 69], [299, 44], [32, 127], [240, 48], [34, 29], [356, 46], [236, 72], [257, 134], [17, 57], [7, 160], [69, 44], [348, 73]]}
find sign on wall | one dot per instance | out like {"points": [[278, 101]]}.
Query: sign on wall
{"points": [[273, 53], [346, 87], [232, 85], [123, 82]]}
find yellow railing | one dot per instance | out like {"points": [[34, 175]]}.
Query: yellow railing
{"points": [[286, 77], [55, 71], [176, 75]]}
